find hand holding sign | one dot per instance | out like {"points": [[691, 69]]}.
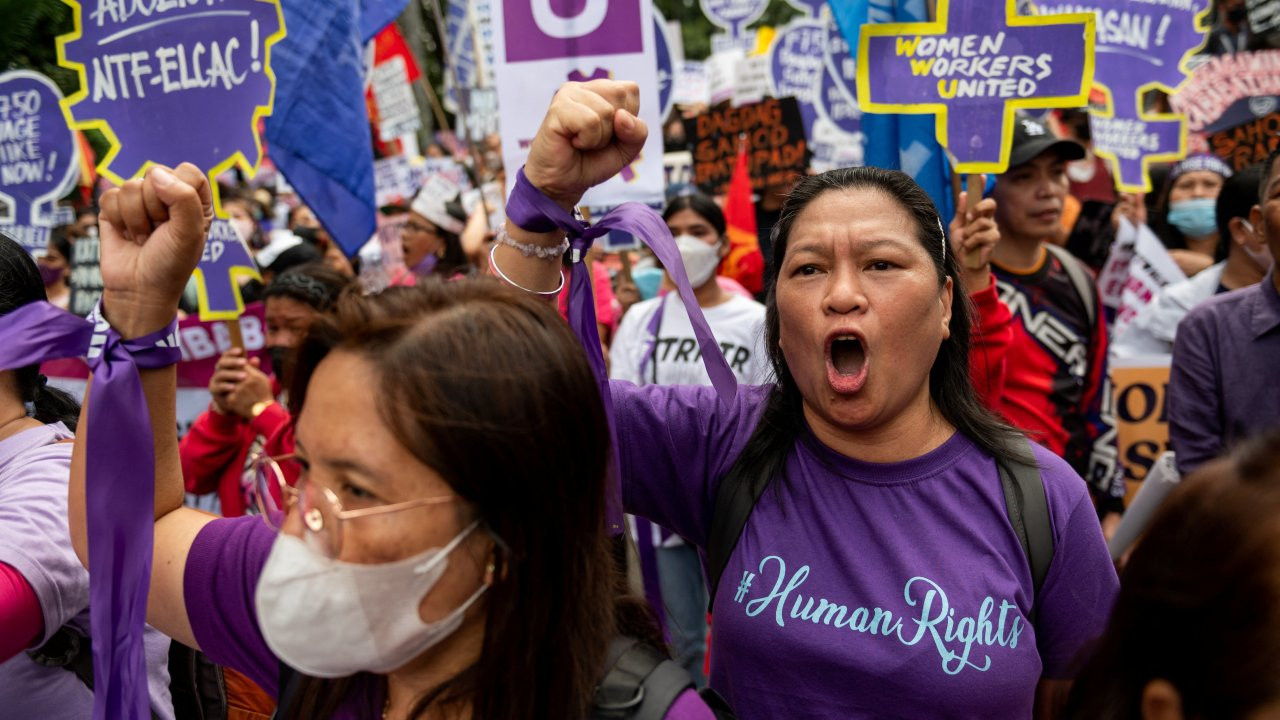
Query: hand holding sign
{"points": [[974, 235], [152, 232], [590, 132]]}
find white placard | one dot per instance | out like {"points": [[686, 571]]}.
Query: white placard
{"points": [[751, 80], [397, 110]]}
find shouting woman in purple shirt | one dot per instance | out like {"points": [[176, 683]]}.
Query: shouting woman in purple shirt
{"points": [[443, 554], [879, 573]]}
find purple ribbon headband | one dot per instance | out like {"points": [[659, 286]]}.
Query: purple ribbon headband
{"points": [[120, 483], [530, 209]]}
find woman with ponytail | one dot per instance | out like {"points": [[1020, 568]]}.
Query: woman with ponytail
{"points": [[44, 590]]}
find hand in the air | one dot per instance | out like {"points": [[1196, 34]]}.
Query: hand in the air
{"points": [[589, 134], [152, 233], [974, 235]]}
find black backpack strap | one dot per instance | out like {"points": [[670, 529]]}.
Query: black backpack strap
{"points": [[640, 684], [1081, 280], [736, 497], [70, 649], [290, 682], [1028, 510]]}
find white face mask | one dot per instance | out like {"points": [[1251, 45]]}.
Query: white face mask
{"points": [[1262, 258], [700, 259], [329, 619]]}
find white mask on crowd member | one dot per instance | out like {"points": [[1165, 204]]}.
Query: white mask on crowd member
{"points": [[700, 259], [1262, 258], [327, 618]]}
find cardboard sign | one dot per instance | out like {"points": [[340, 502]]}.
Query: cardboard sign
{"points": [[225, 262], [537, 50], [973, 68], [173, 82], [1142, 423], [37, 156], [85, 279], [776, 144], [1247, 144], [397, 109], [1139, 47], [1224, 81]]}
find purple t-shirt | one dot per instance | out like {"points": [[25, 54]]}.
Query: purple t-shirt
{"points": [[220, 583], [869, 590], [35, 467]]}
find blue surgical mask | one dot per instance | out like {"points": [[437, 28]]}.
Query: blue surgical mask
{"points": [[1195, 218]]}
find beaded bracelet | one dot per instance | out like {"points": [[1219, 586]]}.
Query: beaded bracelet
{"points": [[544, 252], [545, 293]]}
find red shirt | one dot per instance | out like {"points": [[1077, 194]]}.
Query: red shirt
{"points": [[215, 452]]}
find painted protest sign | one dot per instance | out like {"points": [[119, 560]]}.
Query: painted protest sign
{"points": [[733, 15], [225, 262], [777, 148], [977, 63], [173, 82], [538, 47], [1224, 83], [1141, 387], [1249, 143], [397, 108], [1140, 46], [85, 279], [37, 156]]}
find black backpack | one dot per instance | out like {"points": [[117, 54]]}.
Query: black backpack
{"points": [[641, 683], [1024, 499]]}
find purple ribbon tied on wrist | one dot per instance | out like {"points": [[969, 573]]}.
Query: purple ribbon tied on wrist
{"points": [[119, 483], [530, 209]]}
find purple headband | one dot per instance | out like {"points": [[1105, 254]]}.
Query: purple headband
{"points": [[528, 208], [119, 483], [1202, 161]]}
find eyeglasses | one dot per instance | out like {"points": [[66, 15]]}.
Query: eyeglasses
{"points": [[412, 226], [321, 511]]}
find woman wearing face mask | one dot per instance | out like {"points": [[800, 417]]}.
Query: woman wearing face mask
{"points": [[55, 267], [443, 554], [244, 417], [244, 213], [1189, 227], [878, 572], [655, 345]]}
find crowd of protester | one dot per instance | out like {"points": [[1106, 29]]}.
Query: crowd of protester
{"points": [[413, 480]]}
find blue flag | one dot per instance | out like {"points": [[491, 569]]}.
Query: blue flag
{"points": [[319, 135], [899, 142]]}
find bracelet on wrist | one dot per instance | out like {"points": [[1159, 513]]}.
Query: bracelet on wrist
{"points": [[544, 293], [542, 252]]}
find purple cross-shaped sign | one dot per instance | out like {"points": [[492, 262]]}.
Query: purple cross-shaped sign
{"points": [[1140, 46], [226, 259], [974, 68]]}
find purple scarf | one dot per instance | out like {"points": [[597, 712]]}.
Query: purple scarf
{"points": [[530, 209], [119, 483]]}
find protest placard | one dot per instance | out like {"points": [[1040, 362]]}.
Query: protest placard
{"points": [[777, 148], [750, 80], [1225, 81], [397, 108], [690, 86], [1151, 269], [665, 54], [679, 167], [973, 68], [85, 278], [223, 265], [797, 60], [1249, 143], [722, 71], [1140, 47], [1142, 422], [536, 50], [37, 156], [733, 15]]}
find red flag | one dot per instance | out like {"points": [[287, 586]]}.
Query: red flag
{"points": [[744, 263]]}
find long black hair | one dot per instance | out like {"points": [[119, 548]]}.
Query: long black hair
{"points": [[949, 384], [20, 284]]}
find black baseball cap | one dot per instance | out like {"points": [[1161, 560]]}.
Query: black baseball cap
{"points": [[1031, 139]]}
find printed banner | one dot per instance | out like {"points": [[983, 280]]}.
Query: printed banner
{"points": [[1140, 46], [1142, 423], [1247, 144], [397, 108], [1150, 270], [1223, 88], [775, 140], [537, 50], [37, 157], [977, 63]]}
